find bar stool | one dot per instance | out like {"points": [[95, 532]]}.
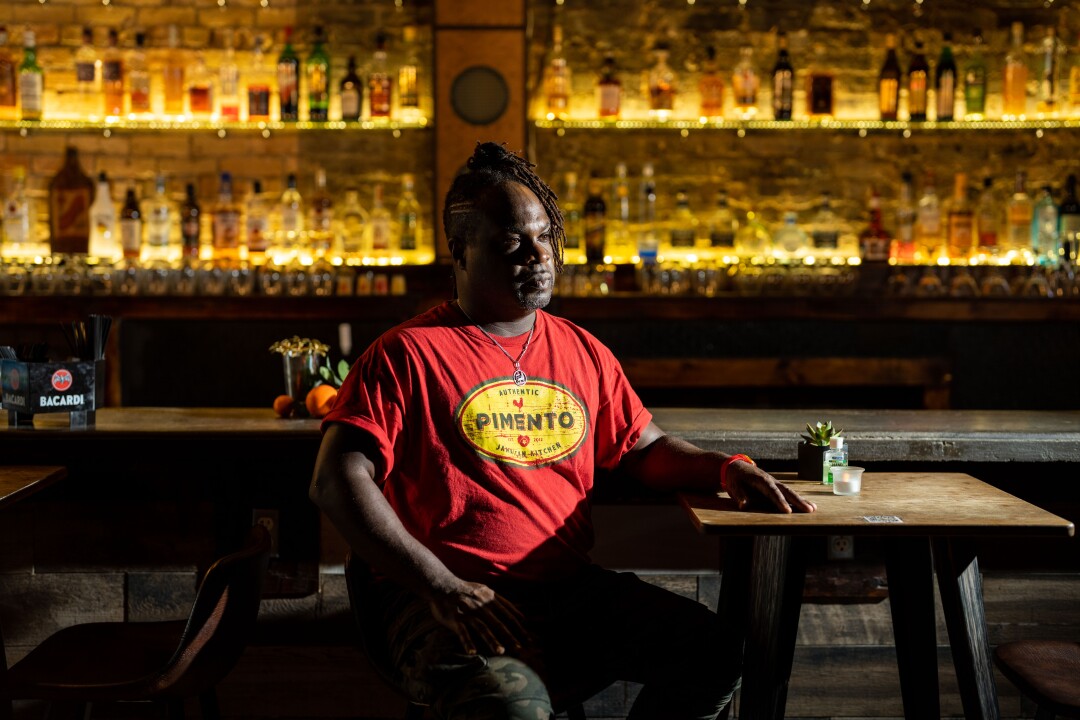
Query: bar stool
{"points": [[1046, 671], [163, 662]]}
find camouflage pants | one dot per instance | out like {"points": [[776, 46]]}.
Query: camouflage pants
{"points": [[589, 631]]}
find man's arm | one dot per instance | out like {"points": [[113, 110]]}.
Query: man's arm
{"points": [[344, 488], [667, 463]]}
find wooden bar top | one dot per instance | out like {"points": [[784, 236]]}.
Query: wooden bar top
{"points": [[872, 435], [21, 481]]}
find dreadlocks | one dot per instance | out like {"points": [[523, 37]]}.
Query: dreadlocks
{"points": [[490, 165]]}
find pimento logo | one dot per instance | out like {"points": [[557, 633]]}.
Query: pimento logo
{"points": [[61, 380]]}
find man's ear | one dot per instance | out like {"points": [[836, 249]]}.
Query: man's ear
{"points": [[457, 250]]}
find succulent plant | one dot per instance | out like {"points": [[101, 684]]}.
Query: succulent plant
{"points": [[327, 373], [820, 433]]}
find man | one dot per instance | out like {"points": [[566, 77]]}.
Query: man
{"points": [[458, 462]]}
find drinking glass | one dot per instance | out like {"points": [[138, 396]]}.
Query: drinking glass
{"points": [[847, 480]]}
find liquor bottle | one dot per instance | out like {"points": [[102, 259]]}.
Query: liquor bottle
{"points": [[1049, 99], [288, 80], [928, 219], [379, 81], [355, 223], [352, 92], [380, 222], [945, 83], [618, 217], [292, 213], [159, 222], [408, 215], [753, 238], [904, 246], [557, 80], [789, 238], [609, 91], [70, 195], [662, 84], [31, 81], [571, 209], [256, 224], [988, 218], [190, 223], [139, 79], [874, 240], [131, 226], [710, 87], [86, 80], [975, 81], [820, 102], [260, 80], [889, 82], [595, 221], [318, 78], [226, 221], [201, 89], [9, 84], [783, 80], [1015, 80], [1019, 212], [112, 77], [684, 224], [648, 244], [322, 214], [104, 239], [961, 220], [1074, 85], [1045, 239], [744, 84], [18, 217], [825, 235], [918, 76], [1069, 221], [173, 72], [229, 83], [723, 225], [408, 78]]}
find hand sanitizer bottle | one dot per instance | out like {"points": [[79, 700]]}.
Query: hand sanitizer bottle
{"points": [[835, 455]]}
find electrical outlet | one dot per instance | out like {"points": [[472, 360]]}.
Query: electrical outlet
{"points": [[841, 547], [268, 518]]}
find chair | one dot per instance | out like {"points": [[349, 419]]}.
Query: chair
{"points": [[164, 662], [358, 579], [1046, 671]]}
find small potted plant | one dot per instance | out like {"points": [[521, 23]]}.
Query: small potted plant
{"points": [[812, 447]]}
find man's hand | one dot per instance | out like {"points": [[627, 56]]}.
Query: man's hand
{"points": [[746, 482], [484, 621]]}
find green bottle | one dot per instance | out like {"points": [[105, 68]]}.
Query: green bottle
{"points": [[318, 77], [288, 74], [975, 81]]}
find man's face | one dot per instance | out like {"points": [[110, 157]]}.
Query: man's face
{"points": [[509, 259]]}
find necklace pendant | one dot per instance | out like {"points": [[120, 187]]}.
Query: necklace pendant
{"points": [[520, 378]]}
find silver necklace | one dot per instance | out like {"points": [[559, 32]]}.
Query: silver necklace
{"points": [[520, 378]]}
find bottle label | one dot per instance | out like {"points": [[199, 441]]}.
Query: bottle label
{"points": [[70, 213], [288, 90], [408, 232], [961, 231], [131, 237], [257, 237], [226, 229], [946, 96], [380, 96], [821, 94], [975, 91], [290, 219], [30, 90], [682, 238], [258, 101], [722, 239], [610, 97], [350, 104], [826, 239], [112, 71], [380, 235], [84, 72], [17, 222]]}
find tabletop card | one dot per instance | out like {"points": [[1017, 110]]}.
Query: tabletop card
{"points": [[882, 519]]}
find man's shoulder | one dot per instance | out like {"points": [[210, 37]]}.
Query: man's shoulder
{"points": [[557, 325]]}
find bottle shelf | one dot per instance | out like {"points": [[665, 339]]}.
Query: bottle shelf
{"points": [[824, 125], [125, 125]]}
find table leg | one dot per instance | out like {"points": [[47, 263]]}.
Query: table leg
{"points": [[960, 586], [731, 605], [911, 598], [777, 575]]}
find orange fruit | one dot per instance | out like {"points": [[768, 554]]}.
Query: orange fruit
{"points": [[320, 399], [284, 405]]}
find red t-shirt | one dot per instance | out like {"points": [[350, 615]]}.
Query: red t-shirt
{"points": [[493, 478]]}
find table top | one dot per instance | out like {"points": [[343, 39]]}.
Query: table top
{"points": [[891, 503], [20, 481]]}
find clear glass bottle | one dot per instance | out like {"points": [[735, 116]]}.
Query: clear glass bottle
{"points": [[723, 224], [988, 218], [783, 80], [903, 249], [380, 95], [648, 243], [139, 98], [836, 455], [173, 72], [889, 82], [1019, 212], [104, 239], [112, 76], [961, 220], [352, 92], [317, 68], [744, 84], [226, 221], [662, 83], [71, 192], [790, 239], [975, 80], [1049, 98], [18, 217], [229, 83], [259, 83], [753, 238], [408, 95], [159, 222], [684, 224], [87, 90], [609, 91], [619, 215], [381, 222], [408, 215], [9, 83], [557, 78], [928, 219], [291, 212], [190, 223], [825, 228], [1045, 238], [355, 224], [595, 220], [257, 223], [31, 81], [1014, 83], [945, 83], [131, 226], [201, 89], [321, 230], [288, 80], [918, 84]]}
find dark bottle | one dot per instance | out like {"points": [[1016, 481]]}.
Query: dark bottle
{"points": [[318, 77], [352, 92], [889, 81], [288, 75], [190, 221], [70, 193], [1069, 221], [945, 83], [595, 222], [783, 78], [918, 77], [131, 225]]}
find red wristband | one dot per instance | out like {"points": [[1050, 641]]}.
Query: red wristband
{"points": [[724, 467]]}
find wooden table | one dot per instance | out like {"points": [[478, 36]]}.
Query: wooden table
{"points": [[926, 522]]}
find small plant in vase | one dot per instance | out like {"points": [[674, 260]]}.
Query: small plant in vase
{"points": [[812, 447]]}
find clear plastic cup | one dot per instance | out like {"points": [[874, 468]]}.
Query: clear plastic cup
{"points": [[847, 479]]}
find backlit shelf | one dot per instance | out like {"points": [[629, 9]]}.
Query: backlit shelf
{"points": [[108, 126], [860, 126]]}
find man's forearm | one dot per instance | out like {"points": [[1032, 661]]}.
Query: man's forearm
{"points": [[670, 463]]}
